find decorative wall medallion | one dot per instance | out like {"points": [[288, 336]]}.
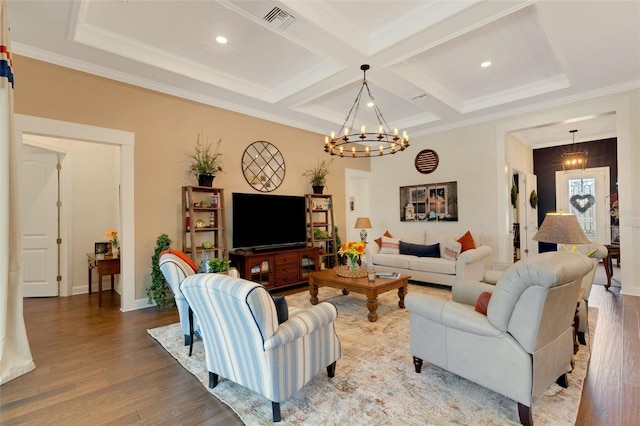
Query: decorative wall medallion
{"points": [[582, 203], [426, 161], [263, 166]]}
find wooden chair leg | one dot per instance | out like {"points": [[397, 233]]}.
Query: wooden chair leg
{"points": [[275, 406], [563, 381], [581, 338], [213, 380], [417, 363], [190, 331], [525, 415], [331, 369]]}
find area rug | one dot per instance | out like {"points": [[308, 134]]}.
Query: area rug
{"points": [[375, 381]]}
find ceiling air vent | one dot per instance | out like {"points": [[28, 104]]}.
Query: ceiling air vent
{"points": [[279, 18], [419, 97]]}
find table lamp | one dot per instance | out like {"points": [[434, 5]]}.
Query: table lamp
{"points": [[561, 228], [363, 223]]}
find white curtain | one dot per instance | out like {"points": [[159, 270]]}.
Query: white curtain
{"points": [[15, 354]]}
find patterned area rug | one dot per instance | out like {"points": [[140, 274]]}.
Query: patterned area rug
{"points": [[375, 381]]}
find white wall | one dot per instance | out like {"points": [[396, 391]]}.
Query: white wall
{"points": [[466, 156], [95, 178]]}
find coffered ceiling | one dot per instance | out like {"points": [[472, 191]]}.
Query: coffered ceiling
{"points": [[298, 62]]}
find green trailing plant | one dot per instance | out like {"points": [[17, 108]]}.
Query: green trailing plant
{"points": [[317, 175], [218, 265], [159, 290], [205, 160]]}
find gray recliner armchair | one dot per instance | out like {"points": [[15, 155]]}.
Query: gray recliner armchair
{"points": [[524, 343]]}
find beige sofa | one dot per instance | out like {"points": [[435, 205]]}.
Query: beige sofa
{"points": [[469, 264]]}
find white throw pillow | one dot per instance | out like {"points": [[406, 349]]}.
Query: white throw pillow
{"points": [[450, 249], [390, 245]]}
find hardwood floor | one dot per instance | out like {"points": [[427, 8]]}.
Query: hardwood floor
{"points": [[99, 366], [611, 394]]}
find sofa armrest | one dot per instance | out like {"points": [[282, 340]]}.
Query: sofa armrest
{"points": [[302, 323], [467, 292], [470, 263]]}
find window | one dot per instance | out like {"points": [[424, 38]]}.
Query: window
{"points": [[582, 200]]}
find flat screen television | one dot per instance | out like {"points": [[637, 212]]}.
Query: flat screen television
{"points": [[266, 221]]}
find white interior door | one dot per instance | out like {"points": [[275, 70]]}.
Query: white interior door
{"points": [[528, 215], [590, 193], [40, 224]]}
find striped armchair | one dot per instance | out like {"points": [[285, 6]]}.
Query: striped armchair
{"points": [[245, 344], [176, 266]]}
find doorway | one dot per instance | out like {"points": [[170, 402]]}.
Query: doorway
{"points": [[25, 125]]}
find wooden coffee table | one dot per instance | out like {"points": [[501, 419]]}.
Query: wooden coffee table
{"points": [[329, 278]]}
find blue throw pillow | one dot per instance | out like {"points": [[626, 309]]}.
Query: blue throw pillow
{"points": [[281, 308], [420, 250]]}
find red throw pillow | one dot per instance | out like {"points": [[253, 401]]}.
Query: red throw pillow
{"points": [[482, 303], [467, 242], [184, 257], [379, 240]]}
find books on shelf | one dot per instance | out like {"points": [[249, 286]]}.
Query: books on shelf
{"points": [[387, 274]]}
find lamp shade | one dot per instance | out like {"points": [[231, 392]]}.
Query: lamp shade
{"points": [[561, 228], [363, 223]]}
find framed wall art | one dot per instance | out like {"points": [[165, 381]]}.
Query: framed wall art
{"points": [[432, 202]]}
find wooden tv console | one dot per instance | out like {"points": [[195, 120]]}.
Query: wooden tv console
{"points": [[278, 268]]}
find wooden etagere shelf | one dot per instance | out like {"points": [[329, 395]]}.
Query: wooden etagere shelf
{"points": [[203, 222], [321, 228]]}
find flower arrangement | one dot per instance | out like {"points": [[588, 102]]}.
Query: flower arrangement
{"points": [[353, 250], [112, 236]]}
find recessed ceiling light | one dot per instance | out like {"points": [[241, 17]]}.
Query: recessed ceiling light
{"points": [[221, 39], [370, 104], [485, 64]]}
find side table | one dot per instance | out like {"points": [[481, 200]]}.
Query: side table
{"points": [[613, 251], [106, 265]]}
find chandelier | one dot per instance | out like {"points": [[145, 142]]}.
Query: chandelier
{"points": [[576, 160], [363, 143]]}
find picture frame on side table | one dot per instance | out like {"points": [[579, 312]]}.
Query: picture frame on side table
{"points": [[101, 248]]}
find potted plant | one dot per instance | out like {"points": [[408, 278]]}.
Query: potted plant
{"points": [[317, 176], [217, 265], [206, 161], [159, 290]]}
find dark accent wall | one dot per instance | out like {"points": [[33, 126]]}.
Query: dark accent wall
{"points": [[546, 161]]}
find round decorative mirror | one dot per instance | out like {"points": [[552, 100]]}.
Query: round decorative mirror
{"points": [[263, 166]]}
